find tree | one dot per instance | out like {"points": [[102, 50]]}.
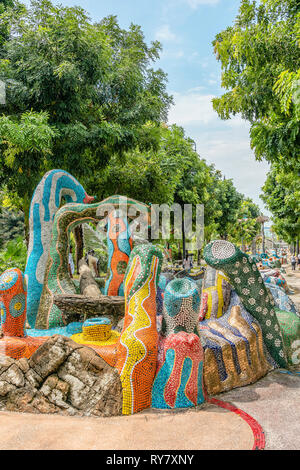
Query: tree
{"points": [[149, 175], [91, 85], [4, 27], [246, 228], [259, 57], [11, 226], [229, 201], [26, 144], [281, 194], [170, 172]]}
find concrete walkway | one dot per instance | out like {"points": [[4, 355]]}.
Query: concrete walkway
{"points": [[293, 280], [207, 428], [274, 402]]}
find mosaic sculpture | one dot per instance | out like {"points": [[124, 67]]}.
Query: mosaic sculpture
{"points": [[44, 204], [137, 350], [13, 303], [119, 244], [57, 279], [181, 307], [234, 350], [178, 381], [282, 300], [215, 296], [290, 327], [241, 338], [248, 283]]}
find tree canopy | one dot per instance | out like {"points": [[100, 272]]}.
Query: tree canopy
{"points": [[90, 87], [260, 57], [282, 196], [84, 97]]}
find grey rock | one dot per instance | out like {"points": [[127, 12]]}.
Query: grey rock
{"points": [[61, 377]]}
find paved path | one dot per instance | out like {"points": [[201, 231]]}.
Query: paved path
{"points": [[207, 428], [274, 402], [293, 280]]}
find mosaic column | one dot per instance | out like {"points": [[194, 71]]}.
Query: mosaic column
{"points": [[137, 350], [178, 381], [119, 244], [13, 302]]}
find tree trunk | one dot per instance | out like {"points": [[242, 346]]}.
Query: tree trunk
{"points": [[78, 234], [88, 285], [253, 246], [26, 209], [183, 241], [108, 306]]}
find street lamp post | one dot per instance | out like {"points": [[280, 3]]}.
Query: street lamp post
{"points": [[261, 220]]}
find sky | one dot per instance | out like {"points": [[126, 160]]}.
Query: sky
{"points": [[186, 29]]}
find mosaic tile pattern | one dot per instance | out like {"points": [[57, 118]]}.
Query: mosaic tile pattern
{"points": [[137, 351], [178, 381], [119, 242], [181, 307], [234, 351], [290, 326], [215, 296], [57, 279], [45, 202], [96, 329], [248, 283], [13, 294], [282, 300]]}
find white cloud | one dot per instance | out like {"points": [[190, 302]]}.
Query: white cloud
{"points": [[191, 108], [165, 34], [195, 3], [224, 143]]}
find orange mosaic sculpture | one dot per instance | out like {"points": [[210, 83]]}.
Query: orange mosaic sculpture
{"points": [[137, 350]]}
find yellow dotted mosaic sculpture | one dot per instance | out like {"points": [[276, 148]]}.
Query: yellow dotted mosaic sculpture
{"points": [[97, 331]]}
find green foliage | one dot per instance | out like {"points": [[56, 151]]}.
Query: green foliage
{"points": [[4, 27], [78, 93], [169, 172], [228, 201], [11, 226], [30, 137], [260, 56], [246, 228], [13, 255], [281, 193]]}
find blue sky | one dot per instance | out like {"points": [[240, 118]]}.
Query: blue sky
{"points": [[186, 29]]}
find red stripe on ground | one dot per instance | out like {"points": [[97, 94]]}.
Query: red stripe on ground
{"points": [[259, 436]]}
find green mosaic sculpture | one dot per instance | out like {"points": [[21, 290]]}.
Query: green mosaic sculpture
{"points": [[245, 278]]}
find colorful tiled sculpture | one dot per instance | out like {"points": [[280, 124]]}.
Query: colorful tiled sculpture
{"points": [[57, 279], [290, 327], [119, 244], [45, 202], [178, 381], [215, 296], [248, 283], [137, 351], [13, 302], [181, 307], [234, 350]]}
